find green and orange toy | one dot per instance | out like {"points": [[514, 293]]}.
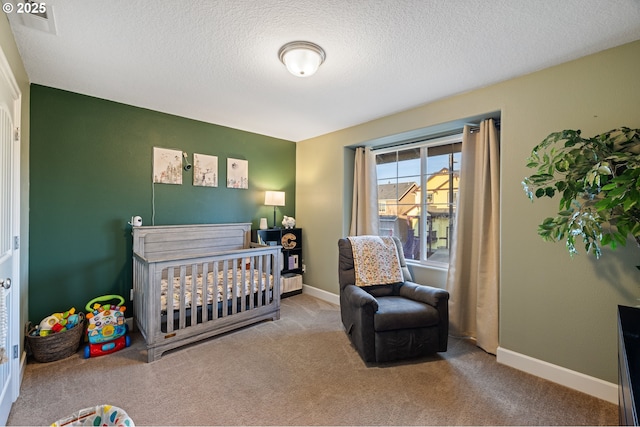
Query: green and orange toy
{"points": [[106, 329]]}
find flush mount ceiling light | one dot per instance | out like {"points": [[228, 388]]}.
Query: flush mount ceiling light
{"points": [[302, 58]]}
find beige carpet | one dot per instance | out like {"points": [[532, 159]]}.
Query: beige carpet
{"points": [[300, 370]]}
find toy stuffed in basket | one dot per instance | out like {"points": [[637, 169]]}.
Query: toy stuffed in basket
{"points": [[106, 329]]}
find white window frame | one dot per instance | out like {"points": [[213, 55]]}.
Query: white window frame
{"points": [[424, 144]]}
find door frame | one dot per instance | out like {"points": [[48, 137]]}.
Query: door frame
{"points": [[17, 359]]}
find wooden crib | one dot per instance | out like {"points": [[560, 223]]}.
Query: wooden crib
{"points": [[192, 282]]}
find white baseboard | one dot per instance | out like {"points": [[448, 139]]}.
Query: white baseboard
{"points": [[23, 367], [321, 294], [584, 383], [129, 322]]}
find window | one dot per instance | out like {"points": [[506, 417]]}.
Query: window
{"points": [[418, 187]]}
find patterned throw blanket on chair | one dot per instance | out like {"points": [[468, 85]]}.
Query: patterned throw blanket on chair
{"points": [[375, 260]]}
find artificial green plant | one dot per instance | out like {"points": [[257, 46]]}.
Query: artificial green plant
{"points": [[598, 182]]}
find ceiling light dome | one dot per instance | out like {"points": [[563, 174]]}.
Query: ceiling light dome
{"points": [[302, 58]]}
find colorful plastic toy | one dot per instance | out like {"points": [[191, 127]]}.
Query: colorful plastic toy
{"points": [[57, 322], [106, 329], [102, 415]]}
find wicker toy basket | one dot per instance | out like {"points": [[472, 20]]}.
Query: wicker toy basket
{"points": [[55, 346]]}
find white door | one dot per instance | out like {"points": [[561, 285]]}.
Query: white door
{"points": [[9, 239]]}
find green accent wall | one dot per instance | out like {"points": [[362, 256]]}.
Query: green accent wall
{"points": [[91, 171]]}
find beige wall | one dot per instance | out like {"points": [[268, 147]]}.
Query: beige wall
{"points": [[553, 308], [10, 50]]}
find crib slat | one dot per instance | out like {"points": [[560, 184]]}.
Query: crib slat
{"points": [[265, 279], [205, 292], [267, 289], [182, 323], [260, 284], [194, 294], [216, 290], [234, 287], [243, 285], [252, 287], [170, 290], [225, 288]]}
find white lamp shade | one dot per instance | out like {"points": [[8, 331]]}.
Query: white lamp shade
{"points": [[302, 58], [274, 198], [302, 62]]}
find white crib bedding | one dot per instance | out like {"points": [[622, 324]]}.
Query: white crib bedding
{"points": [[210, 284]]}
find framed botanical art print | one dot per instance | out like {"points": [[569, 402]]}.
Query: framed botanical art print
{"points": [[237, 173], [167, 166], [205, 170]]}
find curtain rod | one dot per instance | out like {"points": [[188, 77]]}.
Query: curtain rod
{"points": [[425, 139], [476, 127]]}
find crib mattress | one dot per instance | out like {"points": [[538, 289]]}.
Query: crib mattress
{"points": [[211, 283]]}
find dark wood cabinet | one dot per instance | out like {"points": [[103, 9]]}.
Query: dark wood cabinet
{"points": [[628, 364], [291, 241], [291, 262]]}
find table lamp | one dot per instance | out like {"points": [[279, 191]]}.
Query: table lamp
{"points": [[274, 198]]}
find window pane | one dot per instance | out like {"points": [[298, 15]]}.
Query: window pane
{"points": [[436, 164], [400, 203], [440, 222], [386, 171]]}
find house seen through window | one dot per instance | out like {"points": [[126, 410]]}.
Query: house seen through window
{"points": [[418, 187]]}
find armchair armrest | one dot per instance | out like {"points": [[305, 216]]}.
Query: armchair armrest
{"points": [[359, 298], [357, 308], [423, 293], [438, 298]]}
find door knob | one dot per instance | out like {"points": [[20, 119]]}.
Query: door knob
{"points": [[5, 283]]}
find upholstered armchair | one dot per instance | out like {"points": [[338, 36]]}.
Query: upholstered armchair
{"points": [[391, 321]]}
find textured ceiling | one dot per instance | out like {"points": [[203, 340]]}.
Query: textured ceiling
{"points": [[216, 61]]}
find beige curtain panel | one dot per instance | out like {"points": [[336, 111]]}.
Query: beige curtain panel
{"points": [[473, 280], [364, 211]]}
